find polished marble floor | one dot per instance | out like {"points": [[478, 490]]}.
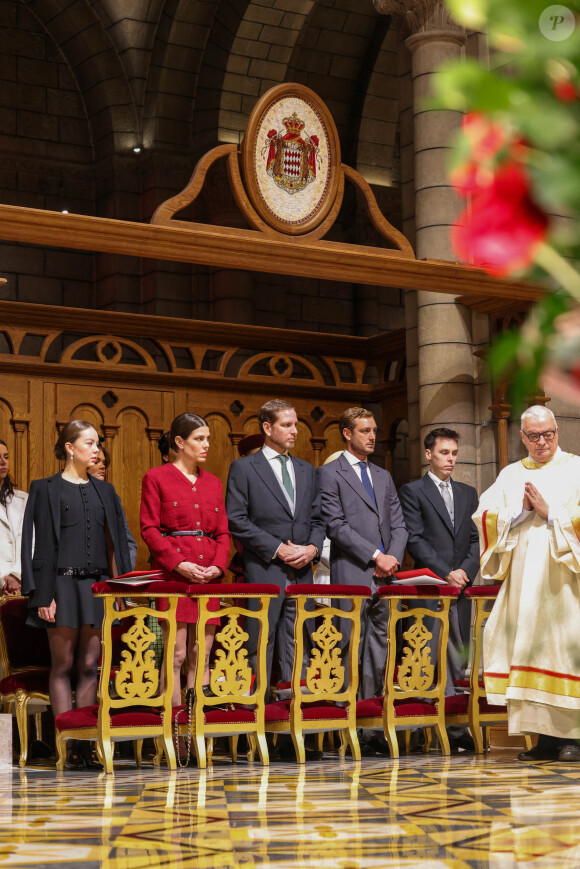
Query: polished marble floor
{"points": [[422, 811]]}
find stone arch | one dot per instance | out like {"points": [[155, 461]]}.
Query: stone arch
{"points": [[183, 39], [95, 64]]}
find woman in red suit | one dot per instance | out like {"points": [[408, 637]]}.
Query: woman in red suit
{"points": [[184, 524]]}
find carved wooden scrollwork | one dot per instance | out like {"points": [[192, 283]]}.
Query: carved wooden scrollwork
{"points": [[137, 676], [325, 672], [416, 670], [231, 673]]}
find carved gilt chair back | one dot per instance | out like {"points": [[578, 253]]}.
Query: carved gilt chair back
{"points": [[237, 700], [134, 701], [414, 688], [323, 698]]}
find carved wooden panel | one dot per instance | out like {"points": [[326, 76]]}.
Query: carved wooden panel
{"points": [[123, 373]]}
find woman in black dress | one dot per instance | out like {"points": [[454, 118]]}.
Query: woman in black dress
{"points": [[76, 523]]}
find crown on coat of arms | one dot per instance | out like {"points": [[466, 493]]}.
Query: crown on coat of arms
{"points": [[293, 124]]}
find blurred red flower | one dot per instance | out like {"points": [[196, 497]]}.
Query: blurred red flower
{"points": [[502, 228]]}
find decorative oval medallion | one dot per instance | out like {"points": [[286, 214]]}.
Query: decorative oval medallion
{"points": [[291, 159]]}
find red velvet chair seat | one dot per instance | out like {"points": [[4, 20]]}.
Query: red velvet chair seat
{"points": [[465, 683], [372, 707], [86, 717], [313, 590], [457, 705], [238, 715], [280, 711], [31, 681], [232, 589], [156, 586], [482, 591]]}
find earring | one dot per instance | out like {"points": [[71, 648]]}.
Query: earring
{"points": [[71, 455]]}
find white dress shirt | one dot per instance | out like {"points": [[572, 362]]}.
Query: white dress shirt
{"points": [[437, 480], [276, 465]]}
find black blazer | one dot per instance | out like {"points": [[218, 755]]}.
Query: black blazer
{"points": [[433, 541], [260, 517], [42, 524]]}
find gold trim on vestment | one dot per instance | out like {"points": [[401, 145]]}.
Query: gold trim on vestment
{"points": [[557, 459], [533, 678]]}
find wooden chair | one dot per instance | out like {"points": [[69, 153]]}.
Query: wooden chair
{"points": [[414, 692], [471, 706], [141, 705], [327, 702], [237, 704], [25, 663]]}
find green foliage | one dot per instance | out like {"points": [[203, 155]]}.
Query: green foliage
{"points": [[532, 89]]}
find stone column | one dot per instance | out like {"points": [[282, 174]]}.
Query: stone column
{"points": [[446, 366]]}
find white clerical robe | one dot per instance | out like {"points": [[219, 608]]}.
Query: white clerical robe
{"points": [[531, 646]]}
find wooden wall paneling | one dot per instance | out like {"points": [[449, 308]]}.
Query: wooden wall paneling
{"points": [[7, 435], [35, 465], [131, 462], [50, 464], [219, 457], [334, 441], [303, 448]]}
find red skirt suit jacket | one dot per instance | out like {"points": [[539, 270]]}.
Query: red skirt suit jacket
{"points": [[171, 502]]}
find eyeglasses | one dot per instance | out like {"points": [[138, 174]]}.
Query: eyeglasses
{"points": [[534, 436]]}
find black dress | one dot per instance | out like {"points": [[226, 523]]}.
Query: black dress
{"points": [[82, 543]]}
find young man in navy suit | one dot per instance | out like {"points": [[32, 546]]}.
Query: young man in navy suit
{"points": [[443, 538], [273, 508], [367, 533]]}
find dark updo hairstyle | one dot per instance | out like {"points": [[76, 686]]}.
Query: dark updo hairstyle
{"points": [[7, 489], [163, 446], [68, 435], [183, 425]]}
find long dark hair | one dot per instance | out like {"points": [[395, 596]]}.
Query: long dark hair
{"points": [[7, 488]]}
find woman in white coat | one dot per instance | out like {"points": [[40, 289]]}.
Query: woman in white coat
{"points": [[12, 504]]}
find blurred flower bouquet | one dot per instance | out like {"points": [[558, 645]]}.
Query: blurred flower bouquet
{"points": [[517, 165]]}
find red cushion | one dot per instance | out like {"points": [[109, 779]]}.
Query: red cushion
{"points": [[155, 587], [465, 683], [456, 704], [313, 590], [26, 646], [482, 591], [372, 707], [418, 590], [280, 711], [86, 716], [238, 715], [488, 709], [31, 681], [233, 589]]}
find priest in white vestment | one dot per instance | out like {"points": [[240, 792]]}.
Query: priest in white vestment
{"points": [[529, 527]]}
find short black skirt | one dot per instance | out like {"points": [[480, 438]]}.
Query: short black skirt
{"points": [[75, 605]]}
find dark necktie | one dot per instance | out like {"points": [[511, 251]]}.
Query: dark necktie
{"points": [[286, 479], [366, 481]]}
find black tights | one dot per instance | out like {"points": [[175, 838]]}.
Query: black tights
{"points": [[70, 646]]}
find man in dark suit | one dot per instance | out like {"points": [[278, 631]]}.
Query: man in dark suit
{"points": [[367, 534], [273, 507], [443, 538]]}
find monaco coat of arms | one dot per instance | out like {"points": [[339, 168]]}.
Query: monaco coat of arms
{"points": [[292, 156]]}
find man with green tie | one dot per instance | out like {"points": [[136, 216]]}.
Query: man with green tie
{"points": [[273, 507]]}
